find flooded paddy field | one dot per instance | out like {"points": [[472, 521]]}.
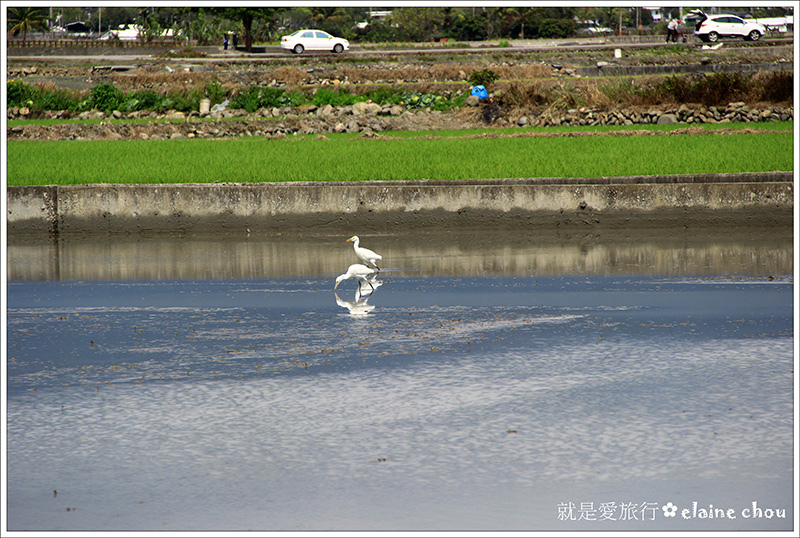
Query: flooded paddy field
{"points": [[487, 383]]}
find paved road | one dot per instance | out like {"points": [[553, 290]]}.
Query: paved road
{"points": [[274, 52]]}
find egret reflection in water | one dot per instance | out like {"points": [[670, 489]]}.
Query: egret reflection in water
{"points": [[359, 307], [364, 292]]}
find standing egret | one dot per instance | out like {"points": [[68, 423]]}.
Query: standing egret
{"points": [[359, 272], [366, 255]]}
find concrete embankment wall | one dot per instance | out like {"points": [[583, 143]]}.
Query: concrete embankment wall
{"points": [[707, 200]]}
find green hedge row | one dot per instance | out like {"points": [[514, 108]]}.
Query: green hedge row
{"points": [[107, 97]]}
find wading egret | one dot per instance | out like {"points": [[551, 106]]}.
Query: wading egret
{"points": [[359, 272], [366, 255]]}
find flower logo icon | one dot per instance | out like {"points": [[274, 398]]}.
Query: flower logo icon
{"points": [[669, 509]]}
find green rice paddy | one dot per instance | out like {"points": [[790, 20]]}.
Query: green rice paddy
{"points": [[404, 156]]}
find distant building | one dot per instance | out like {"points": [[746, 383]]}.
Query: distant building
{"points": [[131, 33], [77, 27], [379, 15], [655, 13]]}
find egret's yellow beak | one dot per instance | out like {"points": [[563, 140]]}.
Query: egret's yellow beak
{"points": [[349, 240], [336, 286]]}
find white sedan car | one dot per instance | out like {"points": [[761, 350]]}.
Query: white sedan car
{"points": [[313, 40]]}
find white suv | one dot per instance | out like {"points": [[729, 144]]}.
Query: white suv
{"points": [[712, 27]]}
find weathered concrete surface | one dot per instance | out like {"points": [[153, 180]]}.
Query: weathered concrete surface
{"points": [[750, 199]]}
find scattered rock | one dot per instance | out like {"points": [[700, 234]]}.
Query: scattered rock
{"points": [[365, 108], [306, 109], [325, 111], [667, 119]]}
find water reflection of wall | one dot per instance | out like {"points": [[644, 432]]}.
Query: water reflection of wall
{"points": [[448, 253]]}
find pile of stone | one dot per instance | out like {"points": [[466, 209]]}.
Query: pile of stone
{"points": [[364, 118], [325, 111], [732, 113], [21, 72]]}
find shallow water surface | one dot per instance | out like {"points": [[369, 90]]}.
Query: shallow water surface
{"points": [[494, 402]]}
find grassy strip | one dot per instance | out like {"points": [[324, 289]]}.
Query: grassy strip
{"points": [[769, 125], [348, 159]]}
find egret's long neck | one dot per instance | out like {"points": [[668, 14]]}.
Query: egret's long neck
{"points": [[355, 242]]}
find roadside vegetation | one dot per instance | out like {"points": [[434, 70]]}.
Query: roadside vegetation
{"points": [[432, 155]]}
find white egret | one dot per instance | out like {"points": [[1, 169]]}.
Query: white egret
{"points": [[366, 255], [359, 272]]}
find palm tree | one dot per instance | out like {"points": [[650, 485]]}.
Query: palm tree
{"points": [[25, 19]]}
